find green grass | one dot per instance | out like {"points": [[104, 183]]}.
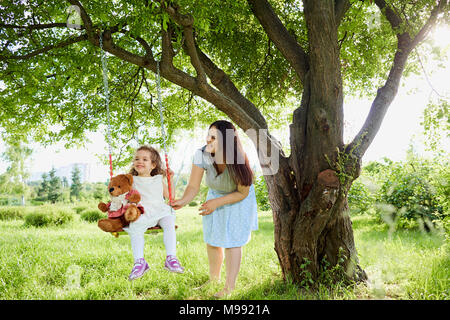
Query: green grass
{"points": [[404, 264], [79, 261]]}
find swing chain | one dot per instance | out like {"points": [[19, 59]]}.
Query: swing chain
{"points": [[106, 93], [158, 87]]}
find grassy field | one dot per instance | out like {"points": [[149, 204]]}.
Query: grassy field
{"points": [[79, 261]]}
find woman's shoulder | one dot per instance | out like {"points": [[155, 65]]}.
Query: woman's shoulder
{"points": [[200, 151], [201, 158]]}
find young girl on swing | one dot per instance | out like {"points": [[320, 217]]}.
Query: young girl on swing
{"points": [[148, 180]]}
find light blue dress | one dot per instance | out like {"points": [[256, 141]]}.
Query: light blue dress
{"points": [[230, 225]]}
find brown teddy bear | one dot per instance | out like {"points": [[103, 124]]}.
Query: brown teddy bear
{"points": [[124, 206]]}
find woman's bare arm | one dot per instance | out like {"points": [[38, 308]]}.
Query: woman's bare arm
{"points": [[192, 188]]}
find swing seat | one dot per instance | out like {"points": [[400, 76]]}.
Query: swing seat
{"points": [[151, 230]]}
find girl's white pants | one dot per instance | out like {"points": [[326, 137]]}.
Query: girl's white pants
{"points": [[167, 223]]}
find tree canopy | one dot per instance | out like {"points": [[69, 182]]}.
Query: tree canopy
{"points": [[51, 75]]}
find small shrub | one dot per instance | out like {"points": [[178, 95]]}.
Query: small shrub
{"points": [[10, 201], [359, 197], [412, 194], [48, 215], [79, 209], [92, 215], [37, 201], [262, 196], [3, 201], [12, 213]]}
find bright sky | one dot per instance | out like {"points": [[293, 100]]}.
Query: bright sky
{"points": [[400, 126]]}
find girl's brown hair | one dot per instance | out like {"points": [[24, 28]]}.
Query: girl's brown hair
{"points": [[155, 158], [238, 165]]}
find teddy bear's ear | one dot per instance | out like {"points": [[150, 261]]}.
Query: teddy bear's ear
{"points": [[130, 178]]}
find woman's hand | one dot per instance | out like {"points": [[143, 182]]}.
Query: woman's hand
{"points": [[178, 204], [208, 207]]}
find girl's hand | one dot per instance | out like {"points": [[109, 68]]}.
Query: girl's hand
{"points": [[208, 207], [171, 173], [177, 204]]}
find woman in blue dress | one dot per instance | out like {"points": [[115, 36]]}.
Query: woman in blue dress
{"points": [[230, 212]]}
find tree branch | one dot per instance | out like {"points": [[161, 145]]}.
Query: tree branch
{"points": [[340, 8], [280, 36], [223, 82], [86, 19], [386, 94], [61, 44], [425, 30], [172, 9], [167, 48], [111, 47], [187, 22], [192, 52], [243, 112], [394, 20], [34, 26], [239, 114], [147, 47], [182, 79]]}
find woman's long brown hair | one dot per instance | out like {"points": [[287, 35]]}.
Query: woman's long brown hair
{"points": [[239, 168], [155, 158]]}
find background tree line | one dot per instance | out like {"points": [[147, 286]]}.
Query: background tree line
{"points": [[405, 194]]}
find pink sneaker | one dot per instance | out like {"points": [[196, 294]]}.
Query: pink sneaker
{"points": [[140, 267], [172, 264]]}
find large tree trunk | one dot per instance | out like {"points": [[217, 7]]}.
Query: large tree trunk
{"points": [[315, 232], [309, 200], [308, 196]]}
